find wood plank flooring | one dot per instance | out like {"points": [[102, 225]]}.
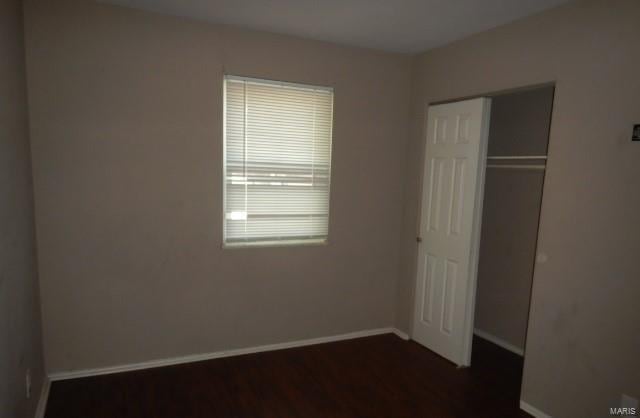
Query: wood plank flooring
{"points": [[381, 376]]}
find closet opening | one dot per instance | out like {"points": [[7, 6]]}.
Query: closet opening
{"points": [[514, 179]]}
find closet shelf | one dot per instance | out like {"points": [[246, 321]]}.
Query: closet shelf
{"points": [[518, 166], [517, 157]]}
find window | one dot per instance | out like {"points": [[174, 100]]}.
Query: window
{"points": [[277, 162]]}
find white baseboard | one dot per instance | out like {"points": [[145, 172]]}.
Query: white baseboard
{"points": [[531, 410], [44, 397], [74, 374], [401, 334], [497, 341]]}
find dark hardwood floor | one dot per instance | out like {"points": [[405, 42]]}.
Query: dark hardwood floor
{"points": [[381, 376]]}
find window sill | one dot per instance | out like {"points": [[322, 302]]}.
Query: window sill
{"points": [[271, 244]]}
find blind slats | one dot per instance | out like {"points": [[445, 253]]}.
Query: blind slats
{"points": [[277, 161]]}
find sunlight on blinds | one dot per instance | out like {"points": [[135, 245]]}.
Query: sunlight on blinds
{"points": [[277, 139]]}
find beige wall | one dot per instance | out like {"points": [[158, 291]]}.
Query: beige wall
{"points": [[126, 114], [20, 330], [125, 119], [519, 126], [584, 331]]}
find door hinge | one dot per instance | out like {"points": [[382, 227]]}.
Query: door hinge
{"points": [[418, 239]]}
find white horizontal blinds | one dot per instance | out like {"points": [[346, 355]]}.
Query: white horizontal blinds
{"points": [[278, 161]]}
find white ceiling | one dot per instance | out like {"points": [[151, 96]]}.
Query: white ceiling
{"points": [[390, 25]]}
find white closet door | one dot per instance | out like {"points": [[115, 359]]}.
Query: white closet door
{"points": [[457, 135]]}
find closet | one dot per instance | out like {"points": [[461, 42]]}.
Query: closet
{"points": [[516, 163]]}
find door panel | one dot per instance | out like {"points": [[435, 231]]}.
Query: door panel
{"points": [[452, 196]]}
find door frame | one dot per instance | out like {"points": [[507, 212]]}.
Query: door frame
{"points": [[468, 326], [476, 228]]}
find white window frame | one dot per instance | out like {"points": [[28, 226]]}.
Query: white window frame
{"points": [[270, 243]]}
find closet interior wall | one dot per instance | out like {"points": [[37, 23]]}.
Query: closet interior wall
{"points": [[519, 127]]}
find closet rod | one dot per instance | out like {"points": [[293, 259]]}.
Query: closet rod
{"points": [[517, 157], [517, 166]]}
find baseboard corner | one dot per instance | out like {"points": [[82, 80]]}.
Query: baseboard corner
{"points": [[499, 342], [41, 408], [401, 334], [532, 410]]}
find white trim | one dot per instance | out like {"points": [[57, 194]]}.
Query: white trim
{"points": [[401, 334], [44, 397], [263, 81], [276, 243], [532, 410], [476, 227], [223, 175], [497, 341], [74, 374]]}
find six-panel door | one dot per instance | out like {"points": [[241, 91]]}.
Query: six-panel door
{"points": [[456, 136]]}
